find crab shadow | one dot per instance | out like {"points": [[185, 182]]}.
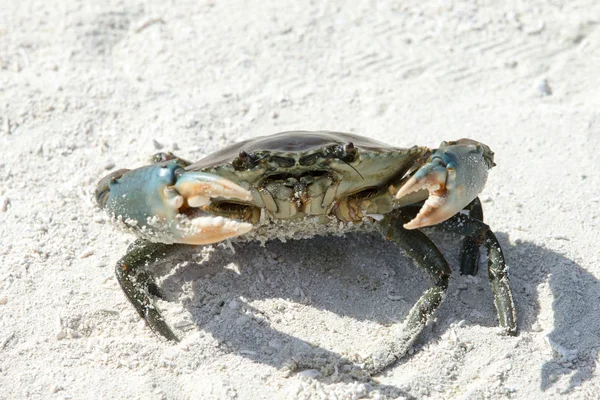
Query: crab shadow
{"points": [[574, 332], [321, 297]]}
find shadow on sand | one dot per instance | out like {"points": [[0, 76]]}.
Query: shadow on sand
{"points": [[575, 334], [359, 279]]}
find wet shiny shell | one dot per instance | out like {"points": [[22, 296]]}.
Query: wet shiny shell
{"points": [[355, 162]]}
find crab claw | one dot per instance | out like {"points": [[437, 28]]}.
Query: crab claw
{"points": [[199, 187], [454, 175], [152, 200]]}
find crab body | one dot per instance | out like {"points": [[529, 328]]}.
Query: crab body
{"points": [[301, 184], [291, 176]]}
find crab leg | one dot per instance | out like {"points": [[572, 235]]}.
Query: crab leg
{"points": [[497, 269], [453, 175], [428, 257], [469, 252], [137, 284]]}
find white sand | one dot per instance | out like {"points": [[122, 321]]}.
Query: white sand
{"points": [[85, 89]]}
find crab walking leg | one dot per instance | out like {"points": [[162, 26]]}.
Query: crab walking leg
{"points": [[498, 272], [469, 252], [497, 269], [428, 257], [137, 284]]}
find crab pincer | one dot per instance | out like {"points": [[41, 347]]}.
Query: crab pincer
{"points": [[197, 189], [453, 175], [155, 197]]}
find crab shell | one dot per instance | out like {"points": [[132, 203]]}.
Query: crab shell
{"points": [[293, 183]]}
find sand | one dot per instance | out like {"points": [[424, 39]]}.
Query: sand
{"points": [[90, 87]]}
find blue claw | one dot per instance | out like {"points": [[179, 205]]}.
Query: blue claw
{"points": [[138, 194], [454, 175], [148, 200]]}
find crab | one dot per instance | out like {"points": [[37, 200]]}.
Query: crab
{"points": [[302, 184]]}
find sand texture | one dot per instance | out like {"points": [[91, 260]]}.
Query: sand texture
{"points": [[88, 87]]}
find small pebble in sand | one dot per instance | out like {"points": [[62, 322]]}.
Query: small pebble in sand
{"points": [[157, 144], [393, 296], [99, 219], [309, 373], [543, 88], [86, 253], [4, 203], [57, 388], [234, 305], [3, 300]]}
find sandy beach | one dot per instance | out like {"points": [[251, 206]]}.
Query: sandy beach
{"points": [[89, 87]]}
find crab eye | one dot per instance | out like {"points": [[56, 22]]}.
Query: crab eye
{"points": [[350, 152], [346, 152], [243, 161], [162, 157]]}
